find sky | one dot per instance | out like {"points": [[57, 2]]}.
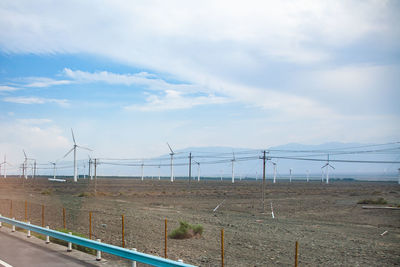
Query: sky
{"points": [[129, 76]]}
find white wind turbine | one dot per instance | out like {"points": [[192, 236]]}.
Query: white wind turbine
{"points": [[290, 171], [308, 176], [54, 168], [274, 163], [233, 169], [74, 149], [172, 162], [198, 170], [5, 163], [327, 166]]}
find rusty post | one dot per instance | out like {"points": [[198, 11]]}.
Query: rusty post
{"points": [[165, 237], [296, 255], [222, 247], [90, 225], [42, 215], [64, 222], [123, 232]]}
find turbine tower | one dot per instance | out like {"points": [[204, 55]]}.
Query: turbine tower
{"points": [[273, 163], [290, 171], [233, 169], [4, 168], [198, 170], [24, 174], [172, 162], [54, 168], [74, 149], [308, 176], [327, 166]]}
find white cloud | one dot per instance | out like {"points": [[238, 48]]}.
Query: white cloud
{"points": [[44, 82], [173, 100], [35, 100], [34, 121], [28, 134], [6, 88]]}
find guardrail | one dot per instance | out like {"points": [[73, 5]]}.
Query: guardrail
{"points": [[111, 249]]}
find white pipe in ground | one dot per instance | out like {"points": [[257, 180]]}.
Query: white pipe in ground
{"points": [[47, 237], [29, 232], [13, 226], [98, 253], [69, 249], [134, 262]]}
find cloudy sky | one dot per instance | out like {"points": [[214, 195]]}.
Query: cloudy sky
{"points": [[128, 76]]}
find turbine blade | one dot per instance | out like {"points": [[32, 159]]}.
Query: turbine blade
{"points": [[325, 165], [73, 137], [85, 148], [68, 152], [24, 154], [170, 148], [331, 166]]}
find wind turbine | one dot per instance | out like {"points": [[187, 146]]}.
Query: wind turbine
{"points": [[274, 163], [54, 168], [198, 170], [308, 176], [290, 171], [233, 170], [4, 168], [74, 149], [159, 172], [172, 162], [327, 165]]}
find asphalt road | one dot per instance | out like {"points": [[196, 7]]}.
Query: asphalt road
{"points": [[16, 252]]}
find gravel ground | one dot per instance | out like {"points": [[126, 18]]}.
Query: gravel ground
{"points": [[331, 228]]}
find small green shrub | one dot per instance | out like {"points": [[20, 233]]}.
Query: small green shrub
{"points": [[186, 230], [46, 192], [378, 201], [84, 194]]}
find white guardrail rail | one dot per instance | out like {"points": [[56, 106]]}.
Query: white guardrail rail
{"points": [[111, 249]]}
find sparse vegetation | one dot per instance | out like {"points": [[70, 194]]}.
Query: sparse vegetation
{"points": [[74, 246], [378, 201], [186, 230], [84, 194], [47, 192]]}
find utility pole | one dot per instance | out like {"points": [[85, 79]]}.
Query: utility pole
{"points": [[34, 169], [190, 167], [142, 170], [264, 158], [90, 167], [95, 176]]}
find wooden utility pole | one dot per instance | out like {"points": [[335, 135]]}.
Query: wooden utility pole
{"points": [[264, 158]]}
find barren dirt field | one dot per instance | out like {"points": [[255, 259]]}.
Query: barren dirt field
{"points": [[331, 228]]}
